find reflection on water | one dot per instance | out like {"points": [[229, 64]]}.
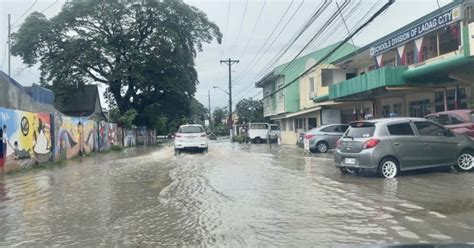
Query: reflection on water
{"points": [[235, 195]]}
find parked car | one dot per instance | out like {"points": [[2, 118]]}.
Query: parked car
{"points": [[323, 138], [389, 146], [458, 121], [191, 136], [258, 132]]}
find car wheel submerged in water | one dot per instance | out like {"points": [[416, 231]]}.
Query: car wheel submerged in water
{"points": [[465, 161], [388, 168]]}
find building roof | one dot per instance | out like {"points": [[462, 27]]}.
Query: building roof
{"points": [[292, 70], [82, 102]]}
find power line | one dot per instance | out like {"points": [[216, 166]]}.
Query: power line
{"points": [[49, 6], [278, 35], [242, 22], [292, 40], [26, 12], [380, 11], [323, 28], [254, 27], [227, 24], [308, 23], [268, 38]]}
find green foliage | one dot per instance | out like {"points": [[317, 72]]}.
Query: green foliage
{"points": [[125, 120], [144, 52], [239, 138], [198, 112], [218, 115], [221, 130], [116, 148], [249, 110]]}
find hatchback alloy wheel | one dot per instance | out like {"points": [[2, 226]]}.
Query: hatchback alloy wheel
{"points": [[465, 162], [388, 168], [322, 147]]}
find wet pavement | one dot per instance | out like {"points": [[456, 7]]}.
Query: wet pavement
{"points": [[235, 195]]}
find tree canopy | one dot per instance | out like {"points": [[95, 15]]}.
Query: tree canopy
{"points": [[218, 115], [143, 52], [249, 110]]}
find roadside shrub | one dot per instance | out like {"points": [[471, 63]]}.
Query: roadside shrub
{"points": [[239, 138], [116, 148]]}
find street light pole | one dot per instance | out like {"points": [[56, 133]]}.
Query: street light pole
{"points": [[229, 62], [209, 100]]}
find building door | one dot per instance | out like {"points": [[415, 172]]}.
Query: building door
{"points": [[312, 123]]}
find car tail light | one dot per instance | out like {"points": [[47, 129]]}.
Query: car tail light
{"points": [[309, 136], [178, 136], [371, 143], [471, 126], [338, 144], [203, 135]]}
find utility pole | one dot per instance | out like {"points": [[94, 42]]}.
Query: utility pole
{"points": [[9, 42], [209, 100], [229, 62]]}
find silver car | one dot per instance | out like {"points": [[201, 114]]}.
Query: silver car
{"points": [[323, 138], [389, 146]]}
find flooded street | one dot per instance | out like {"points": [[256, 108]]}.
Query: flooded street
{"points": [[235, 195]]}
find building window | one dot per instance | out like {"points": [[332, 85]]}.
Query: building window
{"points": [[300, 123], [327, 77], [420, 108], [451, 99], [410, 53], [311, 84], [312, 123], [390, 58], [397, 109], [386, 111], [430, 48], [350, 75], [290, 124], [449, 39]]}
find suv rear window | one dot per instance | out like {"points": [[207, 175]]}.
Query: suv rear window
{"points": [[361, 130], [191, 129]]}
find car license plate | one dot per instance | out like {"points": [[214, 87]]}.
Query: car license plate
{"points": [[306, 144], [349, 160], [190, 137]]}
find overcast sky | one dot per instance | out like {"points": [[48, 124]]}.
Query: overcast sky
{"points": [[243, 45]]}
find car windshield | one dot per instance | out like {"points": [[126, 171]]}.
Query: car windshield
{"points": [[191, 129], [360, 130]]}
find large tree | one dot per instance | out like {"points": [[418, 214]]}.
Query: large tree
{"points": [[143, 52], [249, 110]]}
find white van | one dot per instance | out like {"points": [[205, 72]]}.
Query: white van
{"points": [[258, 132]]}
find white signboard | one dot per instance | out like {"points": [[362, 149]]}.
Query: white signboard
{"points": [[306, 144], [206, 123]]}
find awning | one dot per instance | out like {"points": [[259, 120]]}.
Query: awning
{"points": [[303, 112], [385, 76], [437, 71], [321, 98]]}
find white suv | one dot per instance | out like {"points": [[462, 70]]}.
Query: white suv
{"points": [[190, 137]]}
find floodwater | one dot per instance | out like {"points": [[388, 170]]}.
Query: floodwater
{"points": [[235, 195]]}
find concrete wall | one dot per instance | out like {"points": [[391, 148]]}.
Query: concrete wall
{"points": [[15, 97]]}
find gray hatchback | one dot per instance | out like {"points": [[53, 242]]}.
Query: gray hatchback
{"points": [[323, 138], [389, 146]]}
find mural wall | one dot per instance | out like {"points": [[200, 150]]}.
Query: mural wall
{"points": [[27, 137], [76, 136], [31, 138], [108, 135]]}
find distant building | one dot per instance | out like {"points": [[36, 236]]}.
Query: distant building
{"points": [[84, 101], [35, 98]]}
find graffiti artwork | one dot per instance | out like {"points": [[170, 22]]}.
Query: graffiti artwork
{"points": [[108, 135], [26, 137], [76, 136]]}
